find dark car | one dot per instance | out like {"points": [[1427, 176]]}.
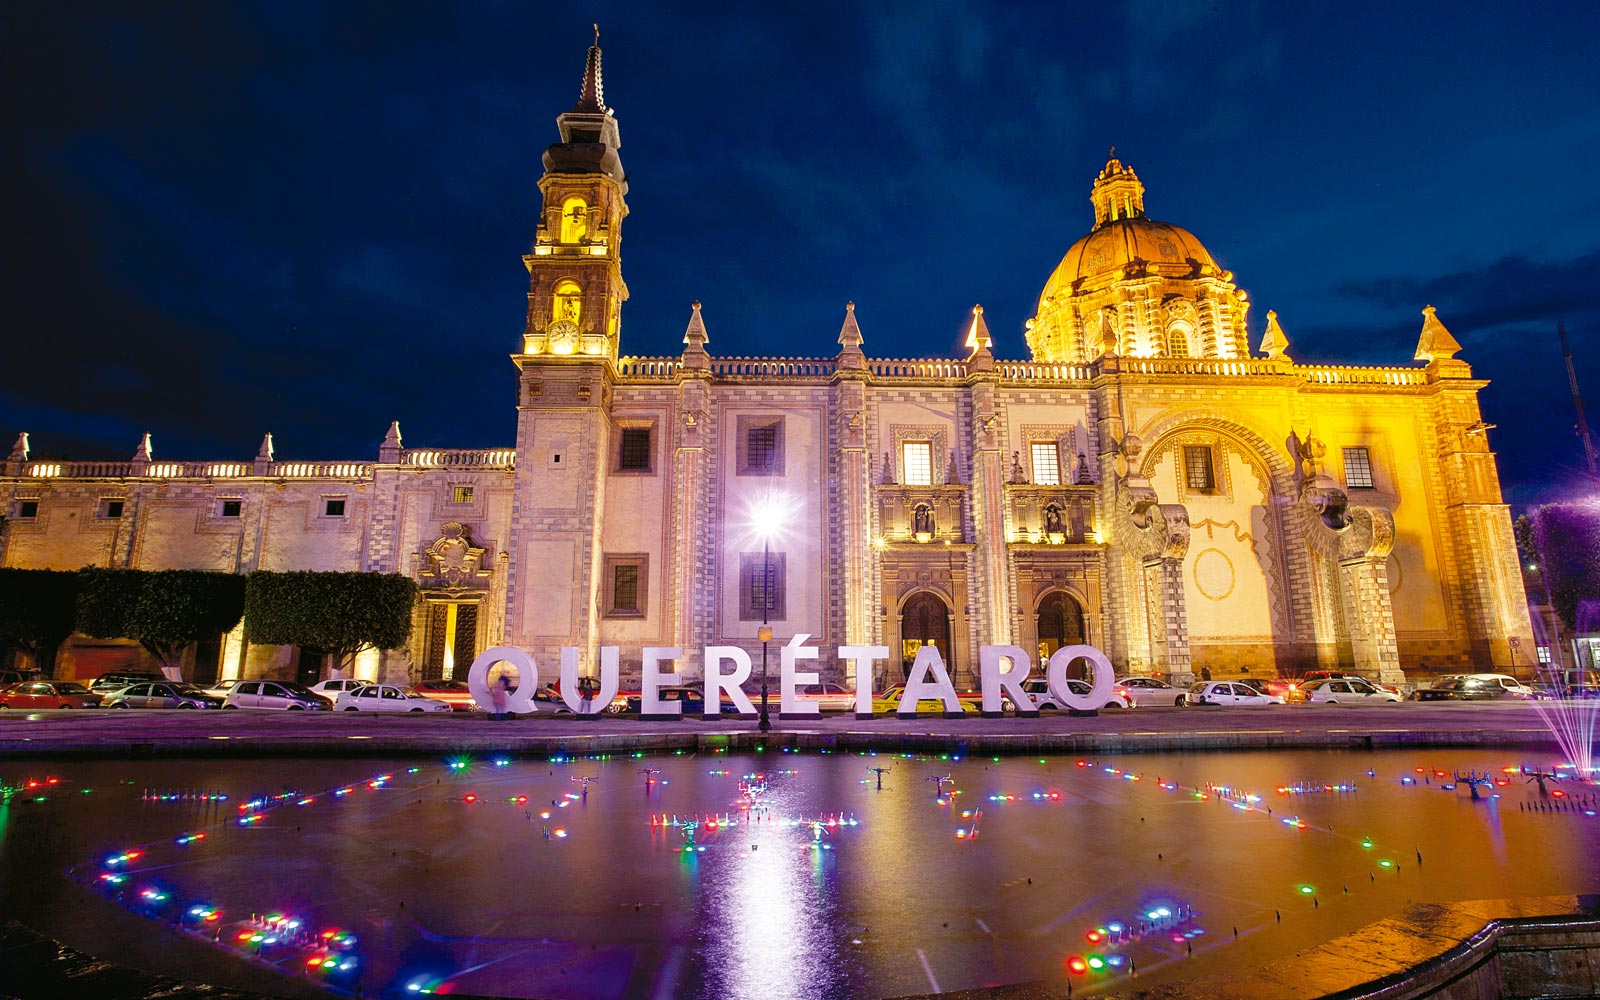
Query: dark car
{"points": [[692, 699], [1446, 690], [116, 680]]}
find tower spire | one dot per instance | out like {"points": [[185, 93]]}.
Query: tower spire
{"points": [[592, 94]]}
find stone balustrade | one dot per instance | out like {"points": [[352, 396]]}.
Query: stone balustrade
{"points": [[461, 458]]}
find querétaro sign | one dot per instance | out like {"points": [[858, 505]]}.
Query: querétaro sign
{"points": [[1002, 670]]}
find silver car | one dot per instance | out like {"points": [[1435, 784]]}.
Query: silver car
{"points": [[387, 698], [282, 696], [162, 694], [1149, 691]]}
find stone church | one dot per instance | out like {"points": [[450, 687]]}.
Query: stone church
{"points": [[1145, 483]]}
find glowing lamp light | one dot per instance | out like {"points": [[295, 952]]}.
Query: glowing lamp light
{"points": [[470, 798], [1385, 863], [1306, 890], [1096, 962], [1366, 842], [1077, 966]]}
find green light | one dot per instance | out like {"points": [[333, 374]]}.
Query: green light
{"points": [[1096, 962], [1386, 863], [1307, 890], [1366, 842]]}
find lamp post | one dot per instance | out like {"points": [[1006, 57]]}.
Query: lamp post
{"points": [[765, 632]]}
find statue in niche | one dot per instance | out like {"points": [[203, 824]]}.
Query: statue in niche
{"points": [[922, 519], [1017, 475], [567, 303], [1052, 520], [574, 220]]}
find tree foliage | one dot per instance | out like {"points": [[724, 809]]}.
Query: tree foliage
{"points": [[37, 612], [165, 611], [337, 613], [1567, 539]]}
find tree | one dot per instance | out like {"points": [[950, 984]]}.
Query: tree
{"points": [[1567, 539], [164, 611], [336, 613], [37, 611]]}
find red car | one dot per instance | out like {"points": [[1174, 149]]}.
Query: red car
{"points": [[454, 693], [48, 694]]}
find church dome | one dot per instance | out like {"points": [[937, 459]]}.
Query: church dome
{"points": [[1135, 286]]}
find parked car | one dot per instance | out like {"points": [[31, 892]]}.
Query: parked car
{"points": [[1323, 675], [1278, 687], [282, 696], [1227, 693], [889, 701], [1442, 689], [222, 687], [831, 697], [162, 694], [1039, 690], [549, 699], [1345, 691], [387, 698], [48, 694], [11, 675], [116, 680], [1148, 691], [1482, 687], [339, 685], [454, 693], [692, 698]]}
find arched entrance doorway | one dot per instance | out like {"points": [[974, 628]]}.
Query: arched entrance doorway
{"points": [[1060, 623], [924, 621]]}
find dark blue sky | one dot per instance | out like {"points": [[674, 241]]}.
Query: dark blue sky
{"points": [[224, 219]]}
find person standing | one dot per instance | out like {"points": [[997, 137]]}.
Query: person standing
{"points": [[499, 693]]}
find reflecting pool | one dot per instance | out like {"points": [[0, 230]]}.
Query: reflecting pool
{"points": [[766, 875]]}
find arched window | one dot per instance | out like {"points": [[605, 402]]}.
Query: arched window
{"points": [[1178, 342], [574, 220], [567, 303]]}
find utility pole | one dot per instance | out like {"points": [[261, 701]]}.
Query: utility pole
{"points": [[1577, 402]]}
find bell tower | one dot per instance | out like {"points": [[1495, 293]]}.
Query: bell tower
{"points": [[575, 287], [566, 368]]}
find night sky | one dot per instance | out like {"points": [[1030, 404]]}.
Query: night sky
{"points": [[223, 219]]}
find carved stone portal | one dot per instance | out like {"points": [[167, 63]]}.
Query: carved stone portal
{"points": [[452, 562]]}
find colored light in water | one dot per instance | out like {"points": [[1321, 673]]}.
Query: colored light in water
{"points": [[1077, 966], [1385, 863], [1366, 842], [1306, 890], [1095, 937], [1096, 962], [471, 798]]}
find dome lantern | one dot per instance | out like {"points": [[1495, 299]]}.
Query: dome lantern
{"points": [[1117, 193]]}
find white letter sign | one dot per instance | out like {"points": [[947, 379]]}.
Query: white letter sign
{"points": [[654, 679], [573, 695], [789, 701], [1104, 677], [862, 657], [919, 686], [719, 684], [997, 682], [521, 699]]}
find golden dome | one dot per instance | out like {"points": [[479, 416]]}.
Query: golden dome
{"points": [[1158, 247]]}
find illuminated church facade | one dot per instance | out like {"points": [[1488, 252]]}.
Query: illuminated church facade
{"points": [[1145, 483]]}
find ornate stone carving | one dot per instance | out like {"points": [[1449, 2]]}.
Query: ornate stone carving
{"points": [[452, 562]]}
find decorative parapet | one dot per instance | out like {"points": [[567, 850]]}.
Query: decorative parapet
{"points": [[1357, 375], [460, 458], [772, 367], [916, 368], [1039, 371], [648, 368]]}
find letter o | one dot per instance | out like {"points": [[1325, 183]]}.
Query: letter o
{"points": [[520, 700], [1104, 678]]}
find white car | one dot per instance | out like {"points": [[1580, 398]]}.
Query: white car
{"points": [[1150, 691], [832, 697], [339, 685], [387, 698], [1039, 690], [1224, 693], [281, 696], [1346, 691]]}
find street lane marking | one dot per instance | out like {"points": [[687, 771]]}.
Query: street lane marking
{"points": [[929, 970]]}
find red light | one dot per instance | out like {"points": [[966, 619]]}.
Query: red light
{"points": [[1094, 937], [1558, 793], [52, 781], [472, 798], [244, 936], [522, 800], [1077, 966]]}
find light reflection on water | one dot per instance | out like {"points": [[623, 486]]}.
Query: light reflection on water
{"points": [[487, 897]]}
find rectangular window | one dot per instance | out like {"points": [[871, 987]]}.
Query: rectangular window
{"points": [[761, 594], [461, 494], [231, 508], [635, 454], [1197, 469], [918, 459], [1046, 464], [760, 444], [111, 509], [625, 588], [1544, 653], [333, 507], [27, 508], [1357, 469], [625, 583]]}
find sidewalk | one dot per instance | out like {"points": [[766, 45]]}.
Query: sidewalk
{"points": [[147, 733]]}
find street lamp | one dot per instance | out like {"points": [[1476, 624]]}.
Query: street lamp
{"points": [[766, 522]]}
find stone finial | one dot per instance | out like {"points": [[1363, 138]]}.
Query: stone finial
{"points": [[144, 453], [19, 451], [696, 337], [390, 451], [978, 339], [952, 472], [850, 356], [1018, 477], [1436, 343], [1274, 342], [265, 453], [1085, 478]]}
